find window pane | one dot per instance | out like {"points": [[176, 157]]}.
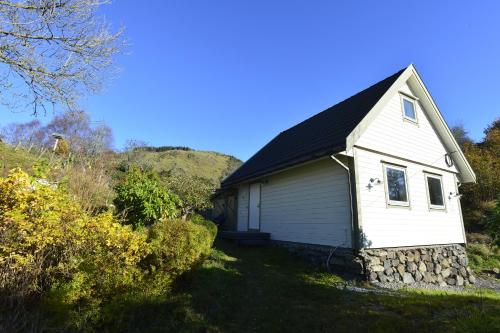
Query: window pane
{"points": [[409, 109], [435, 191], [396, 185]]}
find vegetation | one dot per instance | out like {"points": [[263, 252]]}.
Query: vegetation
{"points": [[53, 52], [83, 268], [141, 200], [240, 289]]}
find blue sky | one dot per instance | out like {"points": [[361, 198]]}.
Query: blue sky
{"points": [[230, 75]]}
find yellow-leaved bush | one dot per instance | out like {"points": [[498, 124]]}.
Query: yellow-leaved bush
{"points": [[50, 247], [47, 240]]}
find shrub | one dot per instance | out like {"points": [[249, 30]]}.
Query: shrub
{"points": [[141, 200], [194, 192], [177, 245], [48, 245]]}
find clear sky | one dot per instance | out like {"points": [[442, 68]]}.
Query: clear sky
{"points": [[230, 75]]}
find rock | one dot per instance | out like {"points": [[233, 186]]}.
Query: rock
{"points": [[463, 271], [429, 278], [388, 271], [410, 257], [407, 278], [426, 257], [395, 263], [390, 278], [401, 257], [373, 276], [454, 271], [418, 276], [387, 264], [434, 256], [442, 284], [445, 263], [446, 272], [423, 251], [382, 277], [439, 279], [430, 266], [397, 276], [437, 269], [416, 256], [496, 270], [391, 255], [411, 266], [460, 281], [472, 279], [382, 254], [422, 268], [374, 261], [463, 261], [401, 269], [451, 281], [377, 268]]}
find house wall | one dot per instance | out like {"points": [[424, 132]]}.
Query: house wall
{"points": [[242, 213], [308, 204], [390, 134], [419, 149]]}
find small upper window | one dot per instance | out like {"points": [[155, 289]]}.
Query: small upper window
{"points": [[409, 109], [435, 191], [396, 187]]}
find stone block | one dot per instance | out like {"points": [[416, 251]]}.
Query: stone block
{"points": [[408, 278]]}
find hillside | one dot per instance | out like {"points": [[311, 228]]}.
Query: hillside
{"points": [[11, 158], [205, 164]]}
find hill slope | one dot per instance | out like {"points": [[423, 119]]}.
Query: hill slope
{"points": [[210, 165]]}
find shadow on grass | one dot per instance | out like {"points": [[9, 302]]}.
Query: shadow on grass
{"points": [[266, 289]]}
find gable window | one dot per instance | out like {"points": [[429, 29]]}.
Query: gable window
{"points": [[396, 185], [409, 110], [435, 191]]}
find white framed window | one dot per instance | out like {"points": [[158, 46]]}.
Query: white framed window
{"points": [[409, 108], [435, 193], [396, 185]]}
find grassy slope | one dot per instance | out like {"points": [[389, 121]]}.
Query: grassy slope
{"points": [[11, 158], [268, 290], [210, 165]]}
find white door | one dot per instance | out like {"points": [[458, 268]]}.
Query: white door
{"points": [[254, 207]]}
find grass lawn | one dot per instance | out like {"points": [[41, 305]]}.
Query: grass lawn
{"points": [[242, 289]]}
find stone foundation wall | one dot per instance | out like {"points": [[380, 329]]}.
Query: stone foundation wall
{"points": [[442, 265], [343, 258]]}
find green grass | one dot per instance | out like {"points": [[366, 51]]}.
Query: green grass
{"points": [[210, 165], [483, 257], [241, 289], [11, 158]]}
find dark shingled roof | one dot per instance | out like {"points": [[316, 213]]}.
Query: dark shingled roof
{"points": [[321, 135]]}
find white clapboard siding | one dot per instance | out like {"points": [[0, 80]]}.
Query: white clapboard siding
{"points": [[242, 222], [390, 134], [307, 204], [389, 226]]}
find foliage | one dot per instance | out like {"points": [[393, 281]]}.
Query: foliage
{"points": [[79, 136], [141, 200], [194, 192], [48, 242], [85, 269], [480, 200], [483, 257], [177, 245], [54, 51]]}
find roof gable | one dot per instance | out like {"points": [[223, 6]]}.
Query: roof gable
{"points": [[322, 134], [412, 79]]}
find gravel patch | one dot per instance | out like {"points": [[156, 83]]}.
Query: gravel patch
{"points": [[481, 283]]}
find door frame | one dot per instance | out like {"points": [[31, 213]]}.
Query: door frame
{"points": [[249, 208]]}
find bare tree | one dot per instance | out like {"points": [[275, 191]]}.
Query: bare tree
{"points": [[53, 51]]}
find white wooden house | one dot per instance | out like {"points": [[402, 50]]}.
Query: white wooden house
{"points": [[382, 164], [379, 170]]}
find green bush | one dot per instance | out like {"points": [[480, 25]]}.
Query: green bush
{"points": [[177, 245], [141, 200], [85, 269]]}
